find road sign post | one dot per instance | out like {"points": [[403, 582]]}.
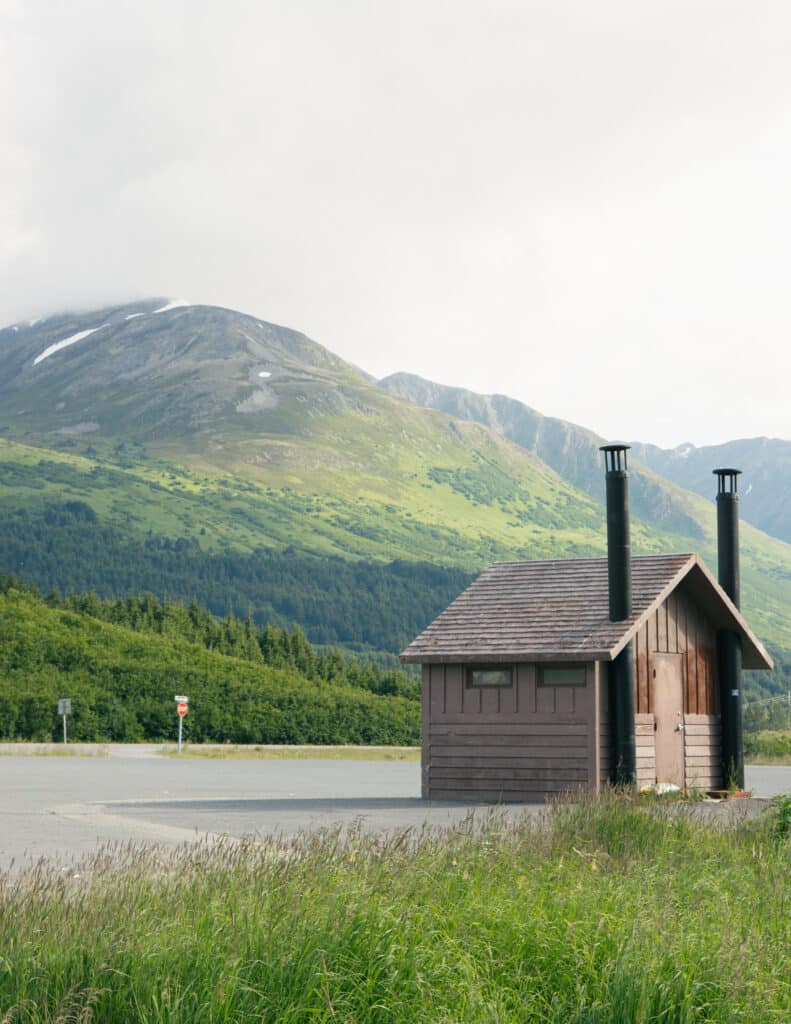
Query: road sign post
{"points": [[64, 709], [182, 707]]}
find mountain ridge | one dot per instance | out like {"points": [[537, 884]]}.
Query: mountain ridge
{"points": [[572, 450], [765, 498]]}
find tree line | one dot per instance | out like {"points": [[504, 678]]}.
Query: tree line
{"points": [[359, 605], [271, 645], [122, 678]]}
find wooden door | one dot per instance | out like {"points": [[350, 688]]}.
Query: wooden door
{"points": [[669, 718]]}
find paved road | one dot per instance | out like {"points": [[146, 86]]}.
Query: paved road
{"points": [[62, 807]]}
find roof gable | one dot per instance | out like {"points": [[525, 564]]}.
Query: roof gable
{"points": [[558, 610]]}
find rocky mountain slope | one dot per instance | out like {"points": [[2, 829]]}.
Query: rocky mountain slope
{"points": [[572, 451], [765, 491]]}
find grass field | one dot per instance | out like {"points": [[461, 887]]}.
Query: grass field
{"points": [[618, 911], [235, 751], [770, 746]]}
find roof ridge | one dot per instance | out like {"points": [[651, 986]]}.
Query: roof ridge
{"points": [[587, 558]]}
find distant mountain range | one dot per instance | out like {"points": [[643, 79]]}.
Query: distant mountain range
{"points": [[572, 451], [208, 428], [765, 491]]}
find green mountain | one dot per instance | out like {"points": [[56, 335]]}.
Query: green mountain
{"points": [[163, 422], [572, 451], [219, 439]]}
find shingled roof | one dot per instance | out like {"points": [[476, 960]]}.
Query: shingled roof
{"points": [[558, 610]]}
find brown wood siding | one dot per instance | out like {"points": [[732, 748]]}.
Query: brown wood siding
{"points": [[425, 721], [702, 751], [645, 750], [678, 627], [604, 724], [519, 743]]}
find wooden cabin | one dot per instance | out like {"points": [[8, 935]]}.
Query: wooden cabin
{"points": [[515, 678]]}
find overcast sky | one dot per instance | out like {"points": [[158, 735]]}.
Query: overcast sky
{"points": [[584, 205]]}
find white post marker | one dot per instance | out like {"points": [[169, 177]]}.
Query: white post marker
{"points": [[64, 708], [181, 708]]}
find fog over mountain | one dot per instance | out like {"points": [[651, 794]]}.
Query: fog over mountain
{"points": [[583, 206]]}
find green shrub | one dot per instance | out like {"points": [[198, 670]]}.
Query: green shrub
{"points": [[122, 682], [773, 746]]}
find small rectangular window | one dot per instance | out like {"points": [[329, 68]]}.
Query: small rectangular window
{"points": [[494, 676], [561, 675]]}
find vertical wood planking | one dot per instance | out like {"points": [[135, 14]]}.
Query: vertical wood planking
{"points": [[533, 690], [672, 628], [507, 750], [490, 700], [681, 643], [604, 726], [425, 733], [661, 628], [652, 640], [454, 689], [703, 678], [594, 734], [680, 627], [545, 700], [700, 658], [641, 671], [508, 695], [437, 690], [692, 628]]}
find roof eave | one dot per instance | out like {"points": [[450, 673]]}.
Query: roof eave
{"points": [[501, 657], [754, 654]]}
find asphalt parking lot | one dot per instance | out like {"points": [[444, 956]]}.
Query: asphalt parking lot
{"points": [[63, 807]]}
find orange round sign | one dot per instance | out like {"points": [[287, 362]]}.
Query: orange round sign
{"points": [[182, 709]]}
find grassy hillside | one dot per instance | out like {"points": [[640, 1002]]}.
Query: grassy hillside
{"points": [[572, 451], [458, 509], [122, 682]]}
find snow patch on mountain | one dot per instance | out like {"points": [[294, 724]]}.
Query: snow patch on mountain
{"points": [[173, 304], [71, 340]]}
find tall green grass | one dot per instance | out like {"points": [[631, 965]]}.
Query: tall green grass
{"points": [[768, 747], [609, 912]]}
